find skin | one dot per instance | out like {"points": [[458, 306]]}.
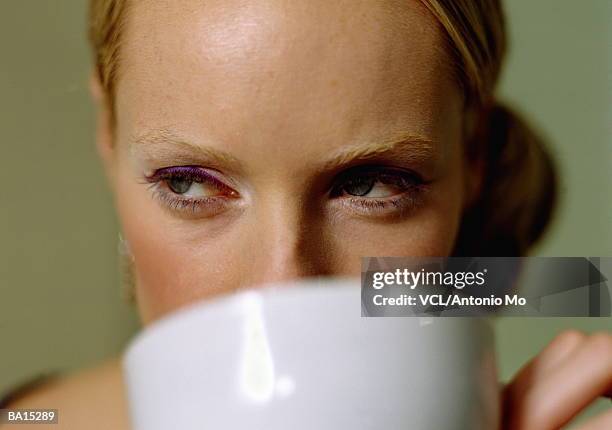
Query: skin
{"points": [[279, 99], [374, 85]]}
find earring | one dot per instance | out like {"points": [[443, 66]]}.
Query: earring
{"points": [[126, 271]]}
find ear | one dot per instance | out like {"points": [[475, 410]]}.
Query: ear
{"points": [[105, 144]]}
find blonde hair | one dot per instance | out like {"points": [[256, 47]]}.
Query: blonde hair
{"points": [[520, 185]]}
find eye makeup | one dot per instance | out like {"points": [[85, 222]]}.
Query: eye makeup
{"points": [[191, 190], [375, 191]]}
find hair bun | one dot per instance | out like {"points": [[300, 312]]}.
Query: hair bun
{"points": [[519, 190]]}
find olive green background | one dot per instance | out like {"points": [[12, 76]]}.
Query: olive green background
{"points": [[60, 302]]}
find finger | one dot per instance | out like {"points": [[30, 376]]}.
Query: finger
{"points": [[600, 422], [558, 350], [554, 353], [584, 375]]}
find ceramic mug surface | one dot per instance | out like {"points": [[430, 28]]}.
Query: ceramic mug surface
{"points": [[300, 356]]}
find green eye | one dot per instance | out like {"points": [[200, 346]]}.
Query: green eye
{"points": [[375, 182], [179, 185], [191, 190]]}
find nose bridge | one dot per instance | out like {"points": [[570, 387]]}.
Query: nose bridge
{"points": [[287, 239]]}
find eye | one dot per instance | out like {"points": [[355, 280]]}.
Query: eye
{"points": [[379, 191], [375, 182], [191, 189]]}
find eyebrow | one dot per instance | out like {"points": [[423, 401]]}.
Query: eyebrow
{"points": [[164, 145], [402, 147]]}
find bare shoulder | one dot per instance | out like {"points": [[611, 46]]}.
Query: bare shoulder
{"points": [[92, 398]]}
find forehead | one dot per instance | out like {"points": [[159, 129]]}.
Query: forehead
{"points": [[281, 67]]}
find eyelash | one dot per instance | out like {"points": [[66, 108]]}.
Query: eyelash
{"points": [[412, 195], [413, 189], [194, 206]]}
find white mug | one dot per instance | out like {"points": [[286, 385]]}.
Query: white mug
{"points": [[300, 356]]}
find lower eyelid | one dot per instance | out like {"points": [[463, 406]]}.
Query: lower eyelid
{"points": [[396, 206], [203, 206]]}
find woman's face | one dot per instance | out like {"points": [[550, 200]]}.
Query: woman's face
{"points": [[270, 140]]}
